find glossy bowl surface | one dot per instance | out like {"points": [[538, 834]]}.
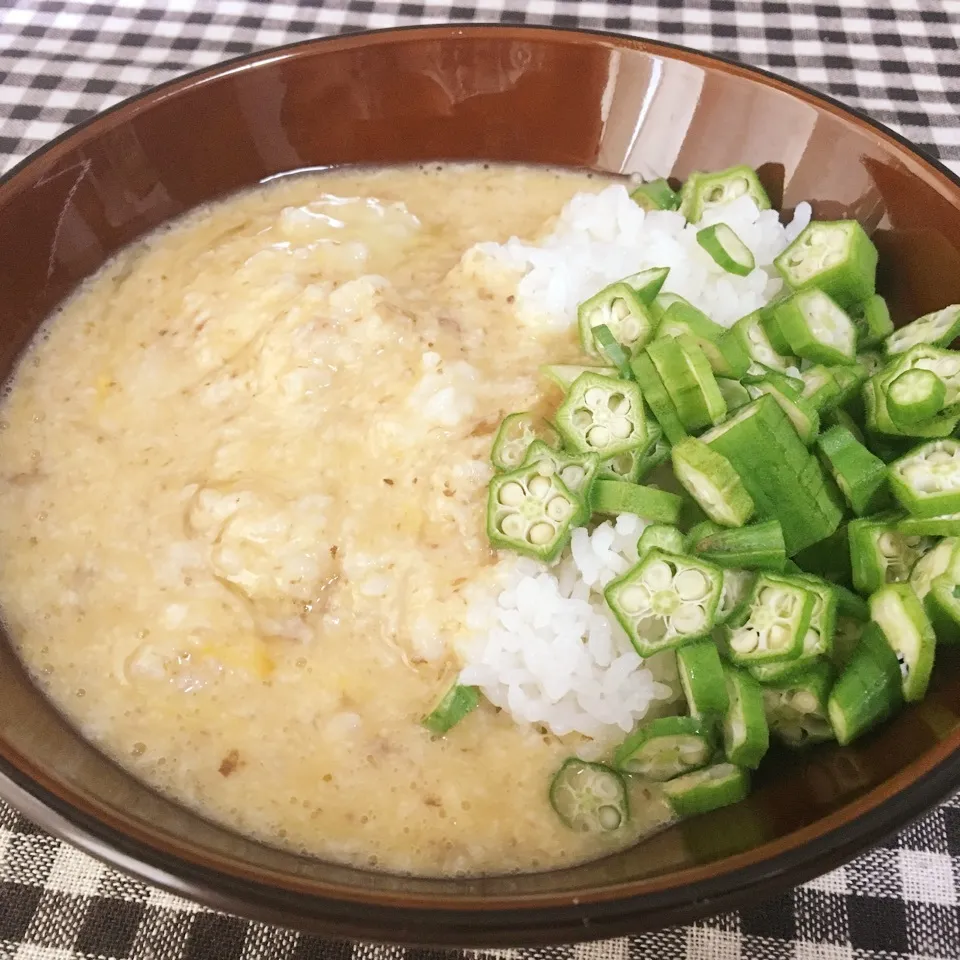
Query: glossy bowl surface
{"points": [[525, 95]]}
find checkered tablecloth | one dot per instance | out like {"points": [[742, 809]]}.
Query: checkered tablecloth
{"points": [[899, 60]]}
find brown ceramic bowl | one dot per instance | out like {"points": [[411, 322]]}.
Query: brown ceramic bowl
{"points": [[521, 95]]}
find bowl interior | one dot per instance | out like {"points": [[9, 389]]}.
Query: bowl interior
{"points": [[513, 95]]}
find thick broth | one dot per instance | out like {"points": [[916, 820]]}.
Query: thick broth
{"points": [[241, 512]]}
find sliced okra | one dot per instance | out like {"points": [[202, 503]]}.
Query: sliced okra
{"points": [[944, 525], [710, 479], [828, 559], [796, 709], [927, 480], [899, 613], [942, 602], [516, 433], [655, 393], [602, 416], [736, 587], [771, 622], [530, 513], [944, 363], [818, 639], [624, 314], [658, 452], [622, 466], [705, 191], [726, 249], [871, 317], [939, 328], [682, 316], [665, 600], [803, 415], [690, 383], [868, 689], [872, 361], [662, 536], [820, 388], [789, 385], [702, 679], [614, 497], [708, 789], [576, 470], [754, 340], [932, 565], [850, 377], [881, 554], [612, 351], [589, 797], [841, 418], [816, 327], [880, 423], [758, 546], [850, 604], [915, 395], [746, 736], [647, 283], [655, 195], [455, 704], [836, 257], [563, 374], [861, 477], [846, 636], [734, 393], [666, 748]]}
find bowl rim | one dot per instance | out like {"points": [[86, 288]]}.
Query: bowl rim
{"points": [[588, 913]]}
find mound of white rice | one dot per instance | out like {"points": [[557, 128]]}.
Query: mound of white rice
{"points": [[602, 237], [546, 648]]}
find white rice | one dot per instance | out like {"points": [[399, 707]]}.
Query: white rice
{"points": [[600, 238], [546, 648]]}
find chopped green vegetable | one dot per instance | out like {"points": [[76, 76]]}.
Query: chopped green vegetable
{"points": [[514, 437], [655, 195], [702, 679], [589, 797], [665, 600], [796, 709], [898, 612], [915, 395], [803, 415], [530, 513], [751, 335], [816, 328], [666, 748], [617, 496], [576, 470], [736, 586], [620, 309], [861, 477], [746, 736], [871, 317], [655, 393], [703, 191], [603, 416], [881, 554], [758, 546], [927, 480], [734, 393], [662, 536], [820, 388], [612, 350], [728, 251], [939, 328], [710, 479], [456, 703], [836, 257], [707, 789], [647, 283], [686, 374], [945, 525]]}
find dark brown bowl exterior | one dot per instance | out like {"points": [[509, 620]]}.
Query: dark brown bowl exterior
{"points": [[507, 94]]}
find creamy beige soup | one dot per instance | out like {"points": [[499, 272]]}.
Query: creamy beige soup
{"points": [[241, 512]]}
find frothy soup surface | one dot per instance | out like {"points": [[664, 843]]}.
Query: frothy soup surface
{"points": [[241, 514]]}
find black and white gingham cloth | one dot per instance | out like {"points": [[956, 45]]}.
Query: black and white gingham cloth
{"points": [[898, 60]]}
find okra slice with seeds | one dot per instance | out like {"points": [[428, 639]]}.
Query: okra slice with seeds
{"points": [[836, 257], [662, 536], [684, 371], [665, 600], [758, 546], [746, 736], [702, 679], [932, 565], [868, 689], [602, 416], [705, 191], [944, 363], [755, 341], [563, 374], [939, 328], [613, 497], [455, 704], [879, 422], [820, 387], [619, 309], [796, 709], [514, 437], [871, 317], [771, 623], [530, 513], [647, 283], [711, 788], [736, 587], [710, 479], [927, 480], [882, 554], [623, 466], [816, 327], [576, 470], [612, 351], [655, 195], [850, 377], [657, 453], [899, 613], [589, 797], [726, 249], [944, 525], [655, 393], [915, 395], [861, 476], [803, 415], [666, 748]]}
